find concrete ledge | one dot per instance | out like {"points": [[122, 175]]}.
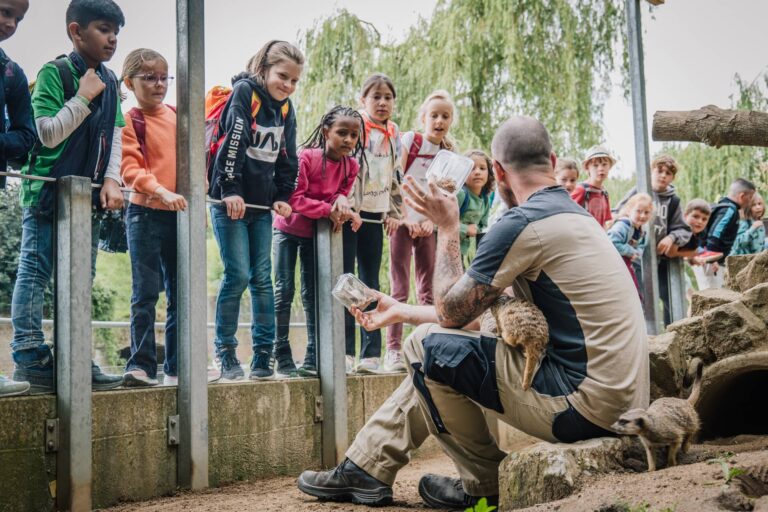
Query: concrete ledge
{"points": [[256, 430]]}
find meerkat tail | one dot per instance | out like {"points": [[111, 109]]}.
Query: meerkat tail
{"points": [[530, 368], [693, 398]]}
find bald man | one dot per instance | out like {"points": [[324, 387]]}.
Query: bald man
{"points": [[550, 251]]}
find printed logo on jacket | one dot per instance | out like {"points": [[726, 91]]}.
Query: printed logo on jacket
{"points": [[266, 143]]}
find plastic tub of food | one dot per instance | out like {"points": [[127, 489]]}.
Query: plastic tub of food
{"points": [[449, 171], [351, 291]]}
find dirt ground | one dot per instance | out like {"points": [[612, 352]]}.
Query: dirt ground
{"points": [[689, 487]]}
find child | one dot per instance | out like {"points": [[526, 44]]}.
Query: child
{"points": [[567, 174], [669, 226], [416, 235], [751, 236], [149, 168], [722, 228], [376, 197], [475, 200], [18, 136], [697, 213], [590, 194], [627, 232], [327, 170], [260, 173], [78, 120]]}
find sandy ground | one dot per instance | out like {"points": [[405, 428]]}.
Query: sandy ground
{"points": [[689, 487]]}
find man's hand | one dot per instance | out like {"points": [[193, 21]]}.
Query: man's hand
{"points": [[440, 208], [111, 197], [235, 207], [282, 208], [664, 245], [471, 230], [388, 311], [90, 85]]}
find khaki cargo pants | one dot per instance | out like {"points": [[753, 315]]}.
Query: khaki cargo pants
{"points": [[448, 402]]}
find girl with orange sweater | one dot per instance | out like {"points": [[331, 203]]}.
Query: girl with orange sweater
{"points": [[149, 167]]}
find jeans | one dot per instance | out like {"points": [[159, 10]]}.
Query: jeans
{"points": [[152, 246], [244, 245], [365, 246], [34, 275], [285, 247]]}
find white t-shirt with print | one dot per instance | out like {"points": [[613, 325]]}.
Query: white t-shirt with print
{"points": [[418, 168]]}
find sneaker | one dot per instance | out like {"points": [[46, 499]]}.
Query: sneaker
{"points": [[261, 367], [170, 380], [101, 381], [35, 366], [393, 361], [138, 378], [308, 370], [230, 366], [444, 492], [286, 369], [367, 365], [349, 364], [347, 482], [10, 387]]}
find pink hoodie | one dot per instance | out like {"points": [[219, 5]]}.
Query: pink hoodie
{"points": [[316, 191]]}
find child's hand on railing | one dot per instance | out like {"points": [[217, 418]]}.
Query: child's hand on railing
{"points": [[170, 199], [111, 196], [282, 208], [342, 205], [391, 224]]}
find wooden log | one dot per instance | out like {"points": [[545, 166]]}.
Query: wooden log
{"points": [[713, 126], [655, 2]]}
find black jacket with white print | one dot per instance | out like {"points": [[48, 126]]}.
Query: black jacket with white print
{"points": [[257, 159]]}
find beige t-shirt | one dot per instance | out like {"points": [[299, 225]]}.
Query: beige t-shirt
{"points": [[554, 254]]}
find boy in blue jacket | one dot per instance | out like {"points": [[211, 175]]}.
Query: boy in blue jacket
{"points": [[79, 123], [17, 134]]}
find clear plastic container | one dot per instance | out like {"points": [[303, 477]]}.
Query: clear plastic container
{"points": [[449, 171], [351, 291]]}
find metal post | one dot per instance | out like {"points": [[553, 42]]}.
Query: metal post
{"points": [[678, 302], [651, 307], [73, 343], [330, 344], [191, 287]]}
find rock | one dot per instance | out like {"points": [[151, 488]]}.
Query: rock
{"points": [[756, 299], [704, 300], [667, 365], [755, 273], [691, 338], [733, 499], [547, 472], [761, 504], [731, 329], [734, 265]]}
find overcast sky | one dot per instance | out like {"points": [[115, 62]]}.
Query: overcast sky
{"points": [[692, 47]]}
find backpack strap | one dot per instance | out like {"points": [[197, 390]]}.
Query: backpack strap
{"points": [[140, 127], [464, 203], [65, 74], [413, 151]]}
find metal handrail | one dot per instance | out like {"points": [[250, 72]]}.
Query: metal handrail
{"points": [[110, 324]]}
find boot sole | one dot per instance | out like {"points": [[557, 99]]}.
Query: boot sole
{"points": [[433, 502], [17, 393], [371, 497]]}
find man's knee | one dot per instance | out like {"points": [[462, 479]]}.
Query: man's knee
{"points": [[413, 348]]}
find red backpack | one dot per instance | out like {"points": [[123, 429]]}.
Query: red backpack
{"points": [[140, 127], [215, 101], [413, 152]]}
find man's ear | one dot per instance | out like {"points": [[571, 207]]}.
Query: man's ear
{"points": [[73, 30], [498, 171], [553, 159]]}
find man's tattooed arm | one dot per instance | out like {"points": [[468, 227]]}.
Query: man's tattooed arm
{"points": [[459, 299]]}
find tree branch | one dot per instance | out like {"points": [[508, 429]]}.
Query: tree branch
{"points": [[713, 126]]}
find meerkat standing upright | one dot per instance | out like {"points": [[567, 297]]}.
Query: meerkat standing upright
{"points": [[668, 422], [520, 323]]}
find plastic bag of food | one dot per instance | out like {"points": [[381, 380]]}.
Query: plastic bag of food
{"points": [[351, 291]]}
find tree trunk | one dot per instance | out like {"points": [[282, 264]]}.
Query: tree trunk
{"points": [[712, 125]]}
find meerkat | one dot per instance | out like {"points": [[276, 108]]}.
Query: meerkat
{"points": [[522, 324], [668, 422]]}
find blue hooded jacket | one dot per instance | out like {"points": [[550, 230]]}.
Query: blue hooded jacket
{"points": [[17, 132]]}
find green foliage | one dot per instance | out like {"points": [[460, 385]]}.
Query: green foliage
{"points": [[10, 241], [482, 506], [706, 172], [729, 472], [640, 507], [496, 57]]}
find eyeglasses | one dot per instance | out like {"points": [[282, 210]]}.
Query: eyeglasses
{"points": [[154, 79]]}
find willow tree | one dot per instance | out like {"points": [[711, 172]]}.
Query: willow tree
{"points": [[548, 58]]}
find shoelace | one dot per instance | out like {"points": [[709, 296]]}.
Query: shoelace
{"points": [[229, 361]]}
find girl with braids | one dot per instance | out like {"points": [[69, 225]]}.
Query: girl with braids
{"points": [[327, 170], [257, 164]]}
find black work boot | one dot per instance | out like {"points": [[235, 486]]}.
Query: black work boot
{"points": [[448, 493], [346, 482]]}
